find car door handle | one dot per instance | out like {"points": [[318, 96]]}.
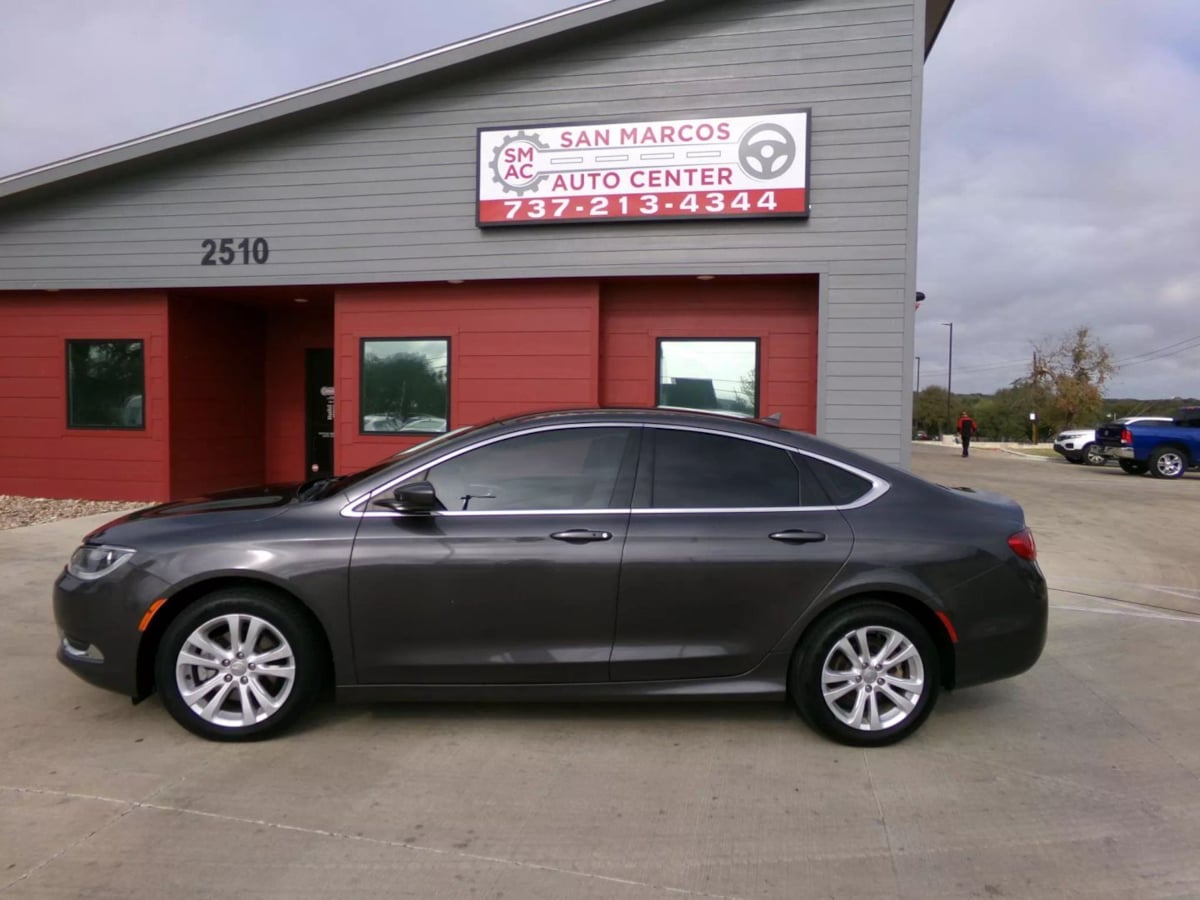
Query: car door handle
{"points": [[795, 536], [581, 536]]}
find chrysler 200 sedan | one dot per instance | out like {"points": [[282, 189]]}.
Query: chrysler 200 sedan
{"points": [[592, 555]]}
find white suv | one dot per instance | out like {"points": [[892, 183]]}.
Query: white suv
{"points": [[1079, 445]]}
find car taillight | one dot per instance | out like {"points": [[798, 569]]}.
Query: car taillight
{"points": [[1126, 436], [1022, 544]]}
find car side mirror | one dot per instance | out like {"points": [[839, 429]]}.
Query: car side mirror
{"points": [[418, 497]]}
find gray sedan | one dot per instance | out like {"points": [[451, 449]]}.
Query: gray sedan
{"points": [[590, 555]]}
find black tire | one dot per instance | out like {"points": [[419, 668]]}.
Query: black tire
{"points": [[818, 646], [1093, 456], [297, 643], [1132, 467], [1074, 460], [1168, 462]]}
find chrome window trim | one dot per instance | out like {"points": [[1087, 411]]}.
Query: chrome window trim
{"points": [[879, 486]]}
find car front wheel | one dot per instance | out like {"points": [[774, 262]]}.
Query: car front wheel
{"points": [[1093, 455], [867, 675], [239, 664]]}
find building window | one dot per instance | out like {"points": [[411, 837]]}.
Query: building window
{"points": [[405, 386], [106, 384], [713, 374]]}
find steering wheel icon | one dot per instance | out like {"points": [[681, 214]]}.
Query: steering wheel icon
{"points": [[767, 151]]}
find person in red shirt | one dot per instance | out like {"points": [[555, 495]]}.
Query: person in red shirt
{"points": [[966, 430]]}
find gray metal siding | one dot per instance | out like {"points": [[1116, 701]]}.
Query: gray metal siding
{"points": [[387, 194]]}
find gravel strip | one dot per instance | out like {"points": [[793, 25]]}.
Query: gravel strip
{"points": [[16, 512]]}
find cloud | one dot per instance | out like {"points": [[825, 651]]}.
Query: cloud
{"points": [[1059, 188], [75, 81]]}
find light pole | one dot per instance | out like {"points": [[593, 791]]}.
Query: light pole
{"points": [[917, 399], [949, 373]]}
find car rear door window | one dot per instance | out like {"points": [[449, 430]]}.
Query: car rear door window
{"points": [[564, 469], [699, 470]]}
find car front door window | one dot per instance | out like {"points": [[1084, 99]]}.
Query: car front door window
{"points": [[564, 469]]}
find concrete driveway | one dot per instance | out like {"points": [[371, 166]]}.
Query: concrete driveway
{"points": [[1080, 778]]}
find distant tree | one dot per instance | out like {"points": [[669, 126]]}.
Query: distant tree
{"points": [[1068, 376], [1011, 407], [929, 410]]}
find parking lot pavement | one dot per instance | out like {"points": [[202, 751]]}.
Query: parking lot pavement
{"points": [[1079, 778]]}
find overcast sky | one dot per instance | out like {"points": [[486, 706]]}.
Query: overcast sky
{"points": [[1060, 174]]}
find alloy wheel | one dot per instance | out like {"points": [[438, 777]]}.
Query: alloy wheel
{"points": [[235, 670], [1169, 464], [873, 678]]}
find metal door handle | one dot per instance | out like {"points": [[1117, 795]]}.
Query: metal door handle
{"points": [[581, 536], [795, 536]]}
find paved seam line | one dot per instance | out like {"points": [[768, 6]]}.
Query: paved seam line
{"points": [[71, 846], [1126, 612], [1151, 606], [321, 832], [1167, 588]]}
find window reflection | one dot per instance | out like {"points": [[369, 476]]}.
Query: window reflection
{"points": [[106, 384], [717, 375], [405, 386], [575, 468]]}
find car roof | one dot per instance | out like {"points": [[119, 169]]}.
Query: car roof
{"points": [[761, 429], [650, 416]]}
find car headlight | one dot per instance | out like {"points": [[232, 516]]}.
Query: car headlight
{"points": [[91, 562]]}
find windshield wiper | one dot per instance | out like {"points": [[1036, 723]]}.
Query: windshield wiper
{"points": [[310, 489]]}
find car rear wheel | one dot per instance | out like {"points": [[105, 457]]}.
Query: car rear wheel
{"points": [[1167, 462], [239, 664], [1093, 455], [866, 675], [1132, 467]]}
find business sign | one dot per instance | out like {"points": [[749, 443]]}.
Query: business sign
{"points": [[739, 167]]}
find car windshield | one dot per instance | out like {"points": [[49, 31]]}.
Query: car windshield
{"points": [[320, 488]]}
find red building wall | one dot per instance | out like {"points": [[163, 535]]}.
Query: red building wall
{"points": [[782, 313], [225, 402], [292, 329], [39, 455], [217, 396], [514, 347]]}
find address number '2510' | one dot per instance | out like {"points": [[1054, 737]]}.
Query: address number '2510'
{"points": [[228, 251]]}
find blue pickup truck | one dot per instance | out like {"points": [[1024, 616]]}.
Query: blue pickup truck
{"points": [[1165, 450]]}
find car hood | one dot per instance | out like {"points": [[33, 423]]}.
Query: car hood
{"points": [[1076, 432], [221, 509]]}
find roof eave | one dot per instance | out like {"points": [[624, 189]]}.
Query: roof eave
{"points": [[936, 13]]}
